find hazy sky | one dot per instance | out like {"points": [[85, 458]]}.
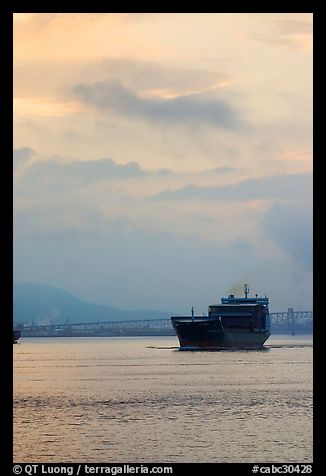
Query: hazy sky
{"points": [[161, 160]]}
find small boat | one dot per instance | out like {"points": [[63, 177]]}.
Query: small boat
{"points": [[236, 323], [16, 335]]}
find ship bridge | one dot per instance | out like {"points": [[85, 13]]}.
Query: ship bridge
{"points": [[231, 299]]}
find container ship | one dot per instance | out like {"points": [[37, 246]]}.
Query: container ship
{"points": [[236, 323]]}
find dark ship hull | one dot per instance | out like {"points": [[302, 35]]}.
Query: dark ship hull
{"points": [[236, 323], [204, 333], [16, 336]]}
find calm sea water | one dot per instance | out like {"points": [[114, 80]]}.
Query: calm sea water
{"points": [[116, 400]]}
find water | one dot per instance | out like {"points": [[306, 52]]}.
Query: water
{"points": [[117, 400]]}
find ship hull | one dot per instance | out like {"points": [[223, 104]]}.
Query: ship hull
{"points": [[208, 334], [16, 336]]}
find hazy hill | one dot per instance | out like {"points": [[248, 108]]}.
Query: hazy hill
{"points": [[41, 303]]}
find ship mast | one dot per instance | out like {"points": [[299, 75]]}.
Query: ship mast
{"points": [[246, 290]]}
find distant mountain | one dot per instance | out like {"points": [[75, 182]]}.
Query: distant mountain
{"points": [[44, 304]]}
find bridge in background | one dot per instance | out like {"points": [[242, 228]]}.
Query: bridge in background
{"points": [[292, 321], [288, 322]]}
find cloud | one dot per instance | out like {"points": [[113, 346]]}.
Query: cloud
{"points": [[199, 108], [51, 175], [97, 259], [291, 228], [270, 187], [22, 155], [241, 246], [295, 32], [156, 78], [150, 77], [84, 172], [223, 169]]}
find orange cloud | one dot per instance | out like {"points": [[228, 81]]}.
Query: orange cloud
{"points": [[46, 107], [78, 36], [169, 93], [298, 155]]}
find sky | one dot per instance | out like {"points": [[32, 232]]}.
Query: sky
{"points": [[163, 160]]}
